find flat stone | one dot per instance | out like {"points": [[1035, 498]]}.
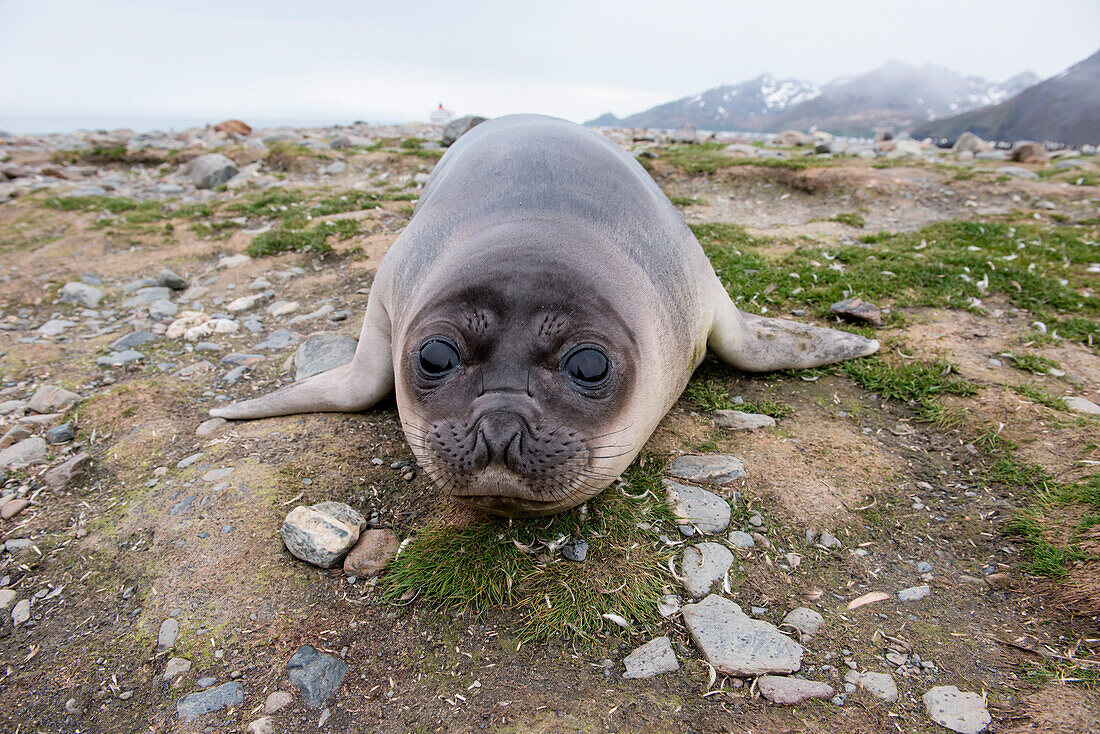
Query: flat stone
{"points": [[736, 644], [13, 508], [245, 303], [145, 296], [316, 537], [262, 725], [162, 310], [210, 426], [169, 632], [65, 474], [21, 612], [14, 435], [184, 463], [52, 399], [54, 327], [132, 340], [7, 596], [321, 352], [702, 566], [315, 674], [741, 539], [458, 127], [575, 550], [120, 358], [169, 279], [959, 711], [788, 691], [277, 701], [653, 658], [375, 549], [740, 421], [698, 509], [28, 451], [216, 475], [879, 685], [81, 294], [805, 620], [194, 705], [1017, 172], [915, 593], [60, 434], [854, 309], [175, 668], [233, 261], [718, 469], [280, 339], [1082, 405]]}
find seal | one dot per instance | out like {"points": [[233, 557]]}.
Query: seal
{"points": [[539, 315]]}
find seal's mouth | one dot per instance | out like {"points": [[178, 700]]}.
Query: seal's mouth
{"points": [[495, 481]]}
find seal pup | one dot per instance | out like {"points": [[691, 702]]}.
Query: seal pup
{"points": [[539, 315]]}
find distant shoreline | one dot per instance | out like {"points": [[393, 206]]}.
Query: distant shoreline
{"points": [[62, 125]]}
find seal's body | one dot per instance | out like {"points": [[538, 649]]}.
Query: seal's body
{"points": [[540, 314]]}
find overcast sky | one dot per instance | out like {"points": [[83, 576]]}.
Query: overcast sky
{"points": [[323, 60]]}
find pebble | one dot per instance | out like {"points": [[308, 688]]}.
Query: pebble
{"points": [[788, 691], [879, 685], [143, 297], [207, 681], [316, 675], [120, 358], [374, 551], [915, 593], [718, 469], [194, 705], [175, 668], [854, 309], [317, 537], [575, 550], [54, 327], [216, 475], [210, 426], [805, 620], [651, 659], [184, 463], [60, 434], [828, 540], [698, 509], [263, 725], [80, 293], [132, 340], [741, 539], [959, 711], [924, 567], [65, 474], [21, 612], [276, 701], [169, 632], [735, 644], [28, 451], [1082, 405], [280, 339], [209, 171], [740, 421], [13, 508], [7, 596], [322, 352], [168, 279], [702, 566]]}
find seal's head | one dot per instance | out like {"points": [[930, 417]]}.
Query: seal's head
{"points": [[515, 383]]}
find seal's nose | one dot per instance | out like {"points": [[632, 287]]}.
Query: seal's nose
{"points": [[498, 439]]}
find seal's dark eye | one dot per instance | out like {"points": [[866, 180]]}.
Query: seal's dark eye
{"points": [[587, 366], [437, 358]]}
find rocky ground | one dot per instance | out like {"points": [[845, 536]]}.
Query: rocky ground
{"points": [[899, 547]]}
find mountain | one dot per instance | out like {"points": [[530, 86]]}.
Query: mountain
{"points": [[895, 96], [1064, 108], [739, 107]]}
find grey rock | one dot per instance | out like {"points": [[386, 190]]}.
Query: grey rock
{"points": [[879, 685], [653, 658], [211, 170], [280, 339], [60, 434], [915, 593], [828, 540], [318, 538], [194, 705], [805, 620], [856, 310], [188, 461], [175, 668], [969, 142], [702, 566], [741, 539], [782, 690], [206, 681], [335, 168], [1082, 405], [52, 399], [315, 674], [63, 475], [277, 701], [741, 421], [80, 293], [719, 469], [262, 725], [54, 327], [28, 451], [344, 513], [322, 352], [120, 358], [132, 340], [736, 644], [21, 612], [959, 711], [684, 134], [161, 310], [209, 426], [1018, 172], [460, 126], [169, 632], [575, 550], [146, 296], [169, 279], [135, 285], [924, 567], [7, 596], [698, 509]]}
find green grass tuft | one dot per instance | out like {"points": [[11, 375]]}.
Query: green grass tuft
{"points": [[916, 382], [1033, 363], [852, 219]]}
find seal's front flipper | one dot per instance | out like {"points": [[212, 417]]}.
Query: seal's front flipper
{"points": [[352, 387], [759, 344]]}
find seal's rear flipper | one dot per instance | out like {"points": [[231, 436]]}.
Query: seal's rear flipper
{"points": [[759, 344], [349, 388]]}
